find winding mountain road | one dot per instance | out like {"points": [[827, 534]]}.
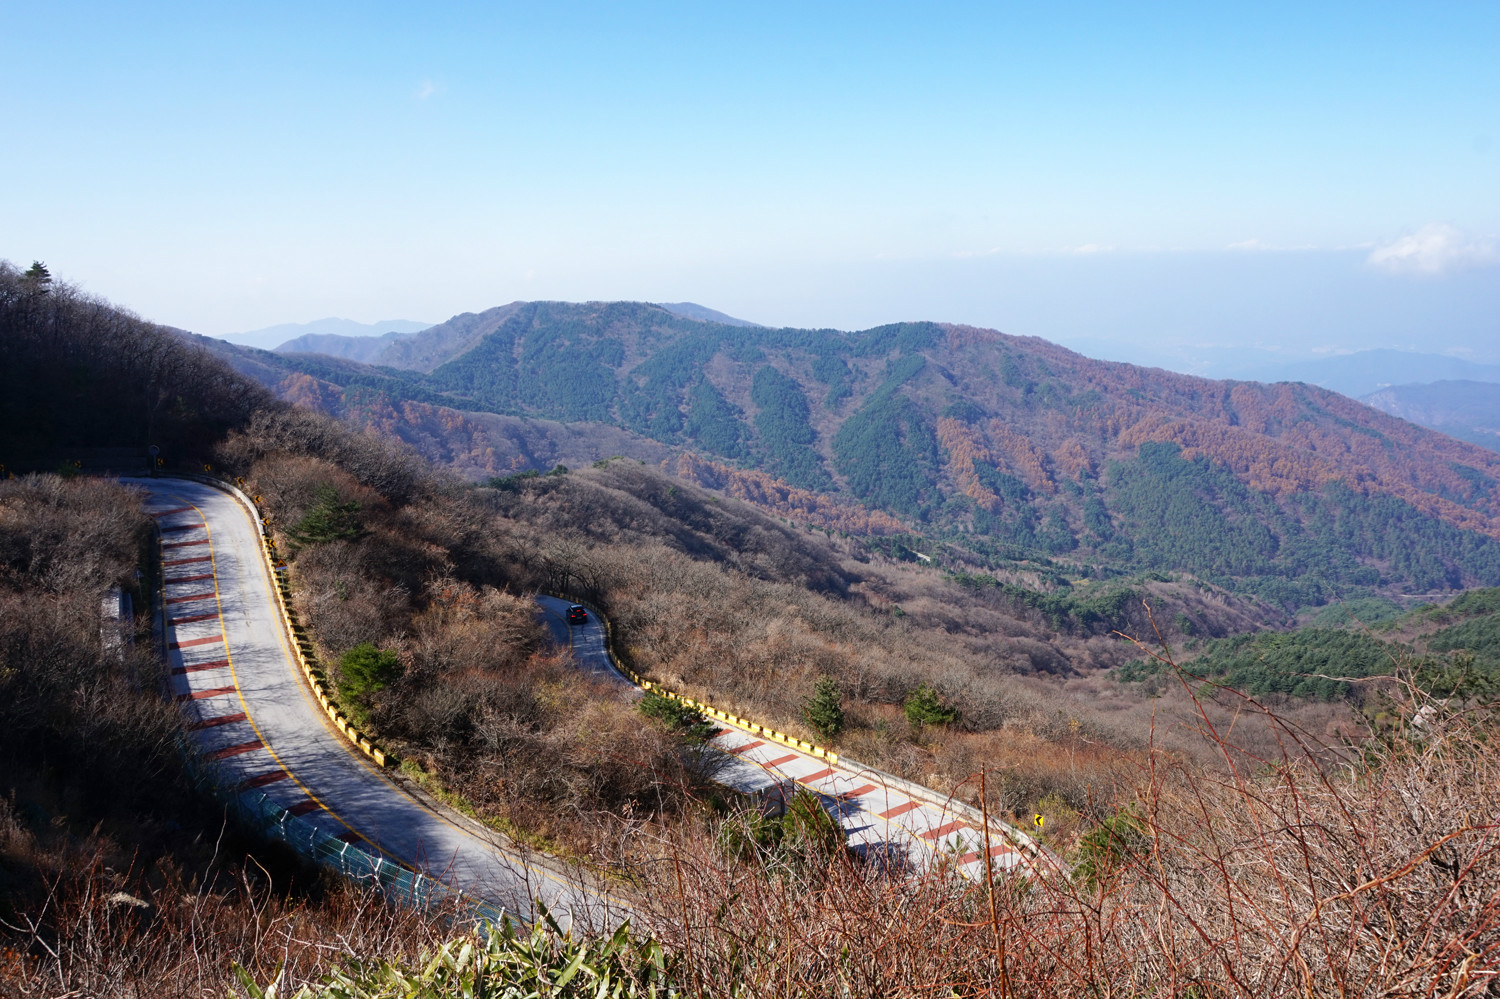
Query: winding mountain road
{"points": [[888, 820], [236, 677]]}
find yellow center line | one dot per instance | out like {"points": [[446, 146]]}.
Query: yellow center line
{"points": [[240, 694], [362, 761]]}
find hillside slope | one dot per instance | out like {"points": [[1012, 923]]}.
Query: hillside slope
{"points": [[1015, 447]]}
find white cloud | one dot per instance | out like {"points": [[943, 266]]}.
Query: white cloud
{"points": [[426, 90], [1433, 249]]}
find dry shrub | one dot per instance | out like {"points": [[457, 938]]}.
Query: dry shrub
{"points": [[68, 535], [99, 818], [707, 595], [759, 647], [158, 934], [83, 732], [527, 741], [1378, 877], [384, 465], [495, 719]]}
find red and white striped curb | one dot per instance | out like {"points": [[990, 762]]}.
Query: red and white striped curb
{"points": [[202, 677]]}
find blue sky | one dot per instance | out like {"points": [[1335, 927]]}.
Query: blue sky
{"points": [[1299, 176]]}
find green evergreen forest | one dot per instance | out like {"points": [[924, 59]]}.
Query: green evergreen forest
{"points": [[858, 413]]}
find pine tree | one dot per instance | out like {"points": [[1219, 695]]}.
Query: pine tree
{"points": [[824, 710], [38, 277], [925, 707], [328, 519], [366, 669]]}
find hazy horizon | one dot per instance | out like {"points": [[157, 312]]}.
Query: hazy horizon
{"points": [[1301, 179]]}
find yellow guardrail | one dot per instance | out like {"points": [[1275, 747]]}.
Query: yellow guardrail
{"points": [[916, 791], [314, 676], [282, 591], [755, 728]]}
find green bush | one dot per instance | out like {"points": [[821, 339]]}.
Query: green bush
{"points": [[924, 707], [1104, 849], [365, 669], [804, 832], [500, 961], [682, 719]]}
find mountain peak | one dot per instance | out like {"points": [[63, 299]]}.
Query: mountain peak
{"points": [[692, 310]]}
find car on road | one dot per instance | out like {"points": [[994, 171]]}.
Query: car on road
{"points": [[577, 615]]}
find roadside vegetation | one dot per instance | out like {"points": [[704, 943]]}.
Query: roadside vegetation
{"points": [[119, 874], [1213, 846], [1264, 877]]}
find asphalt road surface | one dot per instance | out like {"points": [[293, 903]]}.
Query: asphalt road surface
{"points": [[248, 705]]}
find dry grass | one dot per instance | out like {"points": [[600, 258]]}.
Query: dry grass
{"points": [[1293, 865], [712, 597], [160, 934], [1377, 878]]}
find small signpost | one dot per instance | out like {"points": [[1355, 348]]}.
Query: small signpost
{"points": [[155, 453]]}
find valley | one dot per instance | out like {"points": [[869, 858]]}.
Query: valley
{"points": [[1020, 589], [1009, 452]]}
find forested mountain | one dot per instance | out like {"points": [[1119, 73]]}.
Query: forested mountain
{"points": [[1448, 648], [353, 348], [1014, 448], [78, 375]]}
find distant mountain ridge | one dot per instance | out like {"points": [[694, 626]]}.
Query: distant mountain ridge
{"points": [[1357, 375], [1014, 447], [1469, 411], [692, 310], [271, 337], [1354, 374], [425, 349], [351, 348]]}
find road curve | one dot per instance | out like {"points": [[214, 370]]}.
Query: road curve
{"points": [[887, 820], [251, 712]]}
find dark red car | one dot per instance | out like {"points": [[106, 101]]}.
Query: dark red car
{"points": [[577, 615]]}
